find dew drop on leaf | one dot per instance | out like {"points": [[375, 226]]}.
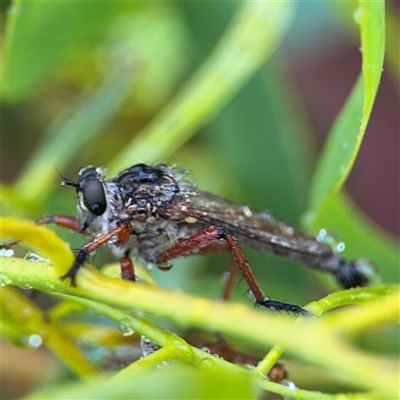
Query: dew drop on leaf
{"points": [[358, 15], [288, 383], [207, 363], [4, 280], [125, 329], [34, 340], [6, 252]]}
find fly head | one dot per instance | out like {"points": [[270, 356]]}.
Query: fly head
{"points": [[91, 190]]}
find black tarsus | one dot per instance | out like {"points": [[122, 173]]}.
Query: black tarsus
{"points": [[80, 259], [274, 305]]}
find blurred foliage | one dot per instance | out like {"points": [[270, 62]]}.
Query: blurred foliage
{"points": [[125, 82]]}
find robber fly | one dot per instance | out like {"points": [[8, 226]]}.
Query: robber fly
{"points": [[154, 214]]}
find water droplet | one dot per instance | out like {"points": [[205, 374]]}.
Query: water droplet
{"points": [[48, 285], [147, 346], [26, 286], [340, 247], [125, 329], [358, 15], [264, 377], [6, 252], [343, 170], [205, 349], [321, 235], [331, 240], [290, 385], [345, 145], [207, 363], [33, 340], [289, 230], [249, 366], [164, 364], [35, 257], [245, 209], [4, 280]]}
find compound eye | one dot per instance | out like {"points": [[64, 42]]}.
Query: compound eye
{"points": [[94, 197]]}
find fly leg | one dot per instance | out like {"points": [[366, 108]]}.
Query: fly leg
{"points": [[229, 281], [216, 247], [127, 268], [122, 232], [62, 220], [212, 234], [259, 296]]}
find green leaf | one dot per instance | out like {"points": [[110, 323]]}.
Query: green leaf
{"points": [[393, 42], [177, 381], [347, 133], [41, 239], [348, 363], [256, 31], [64, 141], [40, 33], [14, 305]]}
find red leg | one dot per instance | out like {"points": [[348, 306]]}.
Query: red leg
{"points": [[259, 296], [205, 238], [210, 235], [212, 247], [61, 220], [127, 269], [90, 247], [230, 280]]}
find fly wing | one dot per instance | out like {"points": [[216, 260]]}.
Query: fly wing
{"points": [[259, 230]]}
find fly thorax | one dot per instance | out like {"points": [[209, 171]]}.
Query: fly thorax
{"points": [[147, 200]]}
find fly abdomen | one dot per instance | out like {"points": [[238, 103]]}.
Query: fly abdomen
{"points": [[361, 272]]}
